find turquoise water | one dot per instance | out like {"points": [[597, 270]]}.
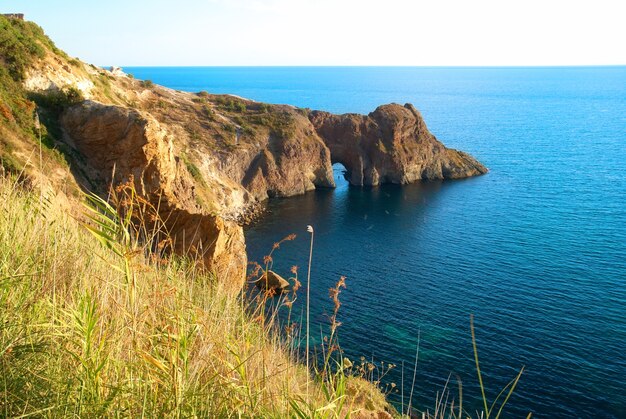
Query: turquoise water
{"points": [[536, 249]]}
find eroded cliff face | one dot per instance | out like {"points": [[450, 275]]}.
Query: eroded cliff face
{"points": [[390, 145], [114, 145], [208, 160], [289, 163]]}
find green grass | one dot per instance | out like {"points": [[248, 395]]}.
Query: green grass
{"points": [[193, 169], [21, 45], [96, 324]]}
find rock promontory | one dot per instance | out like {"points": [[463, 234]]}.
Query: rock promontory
{"points": [[205, 161], [390, 145]]}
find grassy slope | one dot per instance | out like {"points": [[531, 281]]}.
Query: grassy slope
{"points": [[77, 338], [21, 151], [73, 342]]}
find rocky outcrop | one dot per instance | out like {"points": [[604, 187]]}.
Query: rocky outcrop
{"points": [[270, 280], [242, 152], [54, 73], [115, 145], [205, 159], [390, 145], [289, 163], [288, 153]]}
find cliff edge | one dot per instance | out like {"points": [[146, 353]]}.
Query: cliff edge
{"points": [[390, 145], [206, 161]]}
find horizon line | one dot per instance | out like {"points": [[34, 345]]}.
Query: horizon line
{"points": [[365, 66]]}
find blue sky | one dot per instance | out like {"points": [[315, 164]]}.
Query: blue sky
{"points": [[334, 32]]}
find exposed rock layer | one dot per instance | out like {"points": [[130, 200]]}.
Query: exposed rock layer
{"points": [[206, 159], [116, 145], [390, 145], [288, 163]]}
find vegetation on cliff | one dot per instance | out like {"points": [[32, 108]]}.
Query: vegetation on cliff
{"points": [[19, 47], [154, 322], [28, 147], [121, 331]]}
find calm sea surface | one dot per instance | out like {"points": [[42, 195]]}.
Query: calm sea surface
{"points": [[536, 249]]}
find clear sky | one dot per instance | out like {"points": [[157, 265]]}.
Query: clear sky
{"points": [[334, 32]]}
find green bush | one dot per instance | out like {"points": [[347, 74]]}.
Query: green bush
{"points": [[247, 130], [14, 106], [148, 84], [228, 128], [230, 104], [210, 113], [239, 106], [19, 45], [59, 100]]}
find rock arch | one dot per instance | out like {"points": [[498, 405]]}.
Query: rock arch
{"points": [[390, 145]]}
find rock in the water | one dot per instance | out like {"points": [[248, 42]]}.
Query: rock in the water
{"points": [[390, 145], [207, 161], [270, 280]]}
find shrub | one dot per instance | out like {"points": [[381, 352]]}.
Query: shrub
{"points": [[59, 100], [210, 113], [73, 96], [247, 130], [239, 106], [19, 45], [228, 128], [231, 104], [148, 84]]}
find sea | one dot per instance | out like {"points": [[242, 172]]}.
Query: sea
{"points": [[535, 250]]}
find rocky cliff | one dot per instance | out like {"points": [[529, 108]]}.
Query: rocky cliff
{"points": [[207, 160], [115, 145], [390, 145]]}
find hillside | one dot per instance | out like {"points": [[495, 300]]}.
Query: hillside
{"points": [[154, 321], [207, 161]]}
